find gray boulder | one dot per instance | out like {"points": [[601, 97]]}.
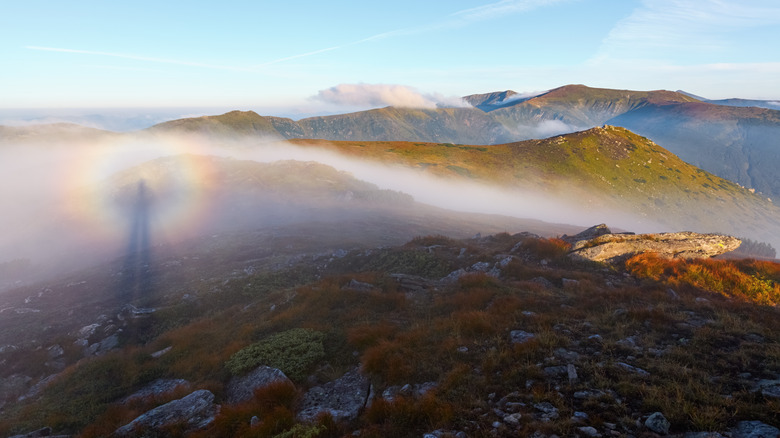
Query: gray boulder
{"points": [[520, 336], [156, 388], [408, 390], [658, 423], [358, 286], [769, 388], [243, 388], [13, 386], [196, 411], [42, 432], [343, 398], [616, 248], [754, 429], [549, 412], [703, 435], [36, 389], [590, 233]]}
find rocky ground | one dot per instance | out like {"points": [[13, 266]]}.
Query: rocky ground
{"points": [[493, 336]]}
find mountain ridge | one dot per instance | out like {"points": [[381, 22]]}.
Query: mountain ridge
{"points": [[734, 142], [753, 131]]}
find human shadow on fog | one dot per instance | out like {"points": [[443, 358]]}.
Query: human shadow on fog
{"points": [[136, 273]]}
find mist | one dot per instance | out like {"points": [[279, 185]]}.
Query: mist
{"points": [[63, 208], [546, 129]]}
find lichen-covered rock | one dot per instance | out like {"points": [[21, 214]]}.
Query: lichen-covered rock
{"points": [[196, 411], [616, 248], [342, 398]]}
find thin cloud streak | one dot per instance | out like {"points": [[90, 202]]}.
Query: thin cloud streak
{"points": [[302, 55], [457, 19], [659, 25], [136, 58], [501, 8]]}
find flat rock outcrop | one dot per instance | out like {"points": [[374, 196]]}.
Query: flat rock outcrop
{"points": [[196, 410], [616, 248]]}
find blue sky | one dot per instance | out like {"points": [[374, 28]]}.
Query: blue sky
{"points": [[307, 57]]}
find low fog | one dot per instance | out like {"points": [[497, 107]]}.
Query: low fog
{"points": [[60, 210], [546, 129]]}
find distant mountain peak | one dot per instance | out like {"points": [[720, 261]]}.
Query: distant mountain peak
{"points": [[498, 99], [703, 99], [231, 123], [579, 91]]}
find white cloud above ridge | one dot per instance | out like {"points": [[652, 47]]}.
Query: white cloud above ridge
{"points": [[381, 95]]}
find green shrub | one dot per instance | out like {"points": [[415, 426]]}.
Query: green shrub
{"points": [[302, 431], [292, 351]]}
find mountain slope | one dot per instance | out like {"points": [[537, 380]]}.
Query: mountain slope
{"points": [[467, 125], [737, 143], [447, 124], [232, 123], [734, 142], [602, 169]]}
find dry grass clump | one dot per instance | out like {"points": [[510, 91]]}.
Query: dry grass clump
{"points": [[551, 248], [754, 281], [274, 406], [398, 417], [119, 414], [431, 240]]}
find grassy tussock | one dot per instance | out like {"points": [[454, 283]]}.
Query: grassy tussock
{"points": [[752, 281]]}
